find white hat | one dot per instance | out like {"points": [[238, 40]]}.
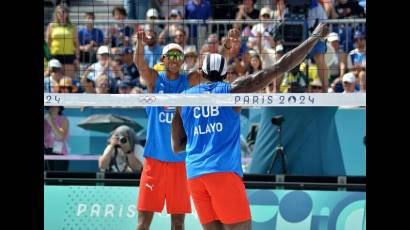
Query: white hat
{"points": [[190, 50], [216, 62], [266, 10], [333, 37], [103, 50], [175, 12], [171, 46], [152, 13], [54, 63], [349, 77]]}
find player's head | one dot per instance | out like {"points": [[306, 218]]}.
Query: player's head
{"points": [[173, 57], [214, 67]]}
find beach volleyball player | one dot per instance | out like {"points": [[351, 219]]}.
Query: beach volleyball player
{"points": [[210, 137], [163, 178]]}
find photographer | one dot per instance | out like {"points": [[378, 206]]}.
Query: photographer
{"points": [[119, 156]]}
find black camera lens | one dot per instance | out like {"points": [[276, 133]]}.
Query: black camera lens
{"points": [[123, 140]]}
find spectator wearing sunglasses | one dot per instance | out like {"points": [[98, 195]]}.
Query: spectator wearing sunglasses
{"points": [[66, 85], [315, 86], [174, 31]]}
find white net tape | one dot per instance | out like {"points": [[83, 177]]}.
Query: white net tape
{"points": [[243, 100]]}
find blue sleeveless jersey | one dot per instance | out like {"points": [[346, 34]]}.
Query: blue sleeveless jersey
{"points": [[158, 145], [213, 134]]}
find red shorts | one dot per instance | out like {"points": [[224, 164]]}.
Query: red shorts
{"points": [[164, 181], [220, 196]]}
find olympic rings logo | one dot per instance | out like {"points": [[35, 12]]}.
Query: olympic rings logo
{"points": [[148, 99]]}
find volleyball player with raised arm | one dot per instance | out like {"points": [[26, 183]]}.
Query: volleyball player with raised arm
{"points": [[163, 178], [210, 135]]}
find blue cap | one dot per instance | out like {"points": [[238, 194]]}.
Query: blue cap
{"points": [[126, 50], [359, 34]]}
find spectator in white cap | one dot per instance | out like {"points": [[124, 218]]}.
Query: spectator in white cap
{"points": [[152, 14], [152, 50], [158, 152], [335, 57], [55, 71], [349, 83], [260, 30], [102, 66]]}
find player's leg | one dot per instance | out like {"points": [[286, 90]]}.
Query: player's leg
{"points": [[151, 192], [177, 221], [144, 220], [178, 201], [230, 203], [214, 225]]}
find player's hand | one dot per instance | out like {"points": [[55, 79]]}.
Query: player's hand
{"points": [[140, 37], [232, 39], [322, 30]]}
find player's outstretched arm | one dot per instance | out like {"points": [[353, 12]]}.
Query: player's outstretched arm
{"points": [[259, 80]]}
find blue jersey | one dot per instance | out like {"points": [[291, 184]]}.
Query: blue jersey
{"points": [[213, 134], [158, 145]]}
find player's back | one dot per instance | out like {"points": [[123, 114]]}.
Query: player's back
{"points": [[213, 134]]}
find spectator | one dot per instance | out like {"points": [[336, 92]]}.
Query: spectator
{"points": [[167, 6], [263, 27], [124, 87], [266, 53], [255, 64], [356, 60], [231, 74], [152, 50], [63, 42], [174, 31], [246, 11], [335, 57], [294, 81], [349, 83], [316, 13], [349, 9], [56, 137], [191, 60], [90, 39], [103, 66], [315, 86], [211, 45], [120, 33], [51, 81], [197, 9], [180, 37], [123, 153], [66, 85], [130, 69], [116, 65], [102, 85], [136, 8], [151, 15], [328, 6]]}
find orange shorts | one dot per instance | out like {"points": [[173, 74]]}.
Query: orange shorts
{"points": [[220, 196], [164, 181]]}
